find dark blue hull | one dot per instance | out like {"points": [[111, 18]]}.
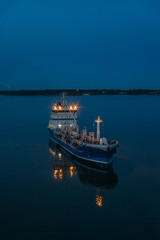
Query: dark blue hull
{"points": [[86, 155]]}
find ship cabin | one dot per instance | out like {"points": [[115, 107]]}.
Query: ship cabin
{"points": [[63, 116]]}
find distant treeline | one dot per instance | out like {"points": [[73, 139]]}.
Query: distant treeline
{"points": [[80, 92]]}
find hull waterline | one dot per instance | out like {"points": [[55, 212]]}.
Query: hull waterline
{"points": [[84, 155]]}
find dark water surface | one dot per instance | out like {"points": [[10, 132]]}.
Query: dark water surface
{"points": [[43, 195]]}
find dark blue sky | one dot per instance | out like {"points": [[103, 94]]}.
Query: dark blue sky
{"points": [[79, 44]]}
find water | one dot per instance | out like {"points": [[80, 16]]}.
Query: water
{"points": [[39, 202]]}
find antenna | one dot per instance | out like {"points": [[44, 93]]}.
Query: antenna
{"points": [[62, 98]]}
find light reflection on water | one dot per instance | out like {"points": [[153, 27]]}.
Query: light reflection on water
{"points": [[65, 167]]}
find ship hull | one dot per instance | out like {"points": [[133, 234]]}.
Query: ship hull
{"points": [[85, 155]]}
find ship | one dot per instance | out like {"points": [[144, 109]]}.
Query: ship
{"points": [[65, 132]]}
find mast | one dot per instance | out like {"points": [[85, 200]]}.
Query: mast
{"points": [[63, 101], [98, 121]]}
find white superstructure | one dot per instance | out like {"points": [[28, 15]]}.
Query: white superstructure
{"points": [[63, 116]]}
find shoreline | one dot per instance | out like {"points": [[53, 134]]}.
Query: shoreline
{"points": [[79, 92]]}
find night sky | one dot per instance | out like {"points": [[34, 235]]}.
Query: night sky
{"points": [[79, 44]]}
